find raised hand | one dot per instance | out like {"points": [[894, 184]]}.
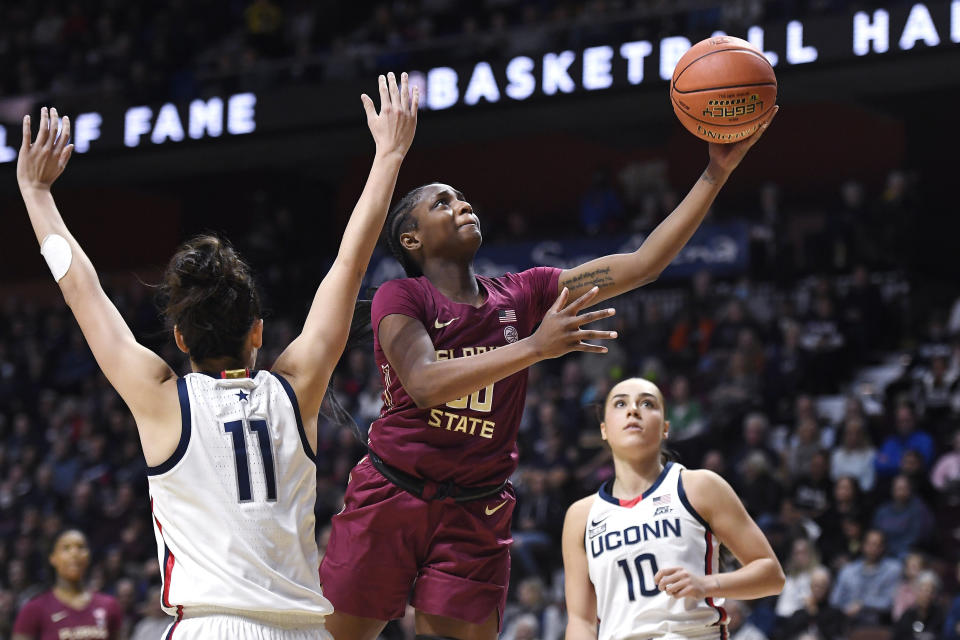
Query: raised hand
{"points": [[560, 331], [394, 126], [726, 157], [41, 162]]}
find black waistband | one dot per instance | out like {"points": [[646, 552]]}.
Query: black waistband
{"points": [[430, 490]]}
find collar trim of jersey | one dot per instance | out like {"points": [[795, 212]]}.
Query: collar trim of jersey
{"points": [[606, 490], [230, 374]]}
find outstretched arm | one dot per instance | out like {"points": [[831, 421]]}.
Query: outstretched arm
{"points": [[310, 359], [619, 273], [137, 373]]}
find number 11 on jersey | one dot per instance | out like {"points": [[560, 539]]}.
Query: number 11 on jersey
{"points": [[259, 427]]}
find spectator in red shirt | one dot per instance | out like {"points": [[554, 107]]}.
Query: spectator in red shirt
{"points": [[69, 611]]}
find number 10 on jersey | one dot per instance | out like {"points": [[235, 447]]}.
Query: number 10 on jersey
{"points": [[643, 561]]}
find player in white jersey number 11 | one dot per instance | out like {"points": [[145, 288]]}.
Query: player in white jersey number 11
{"points": [[641, 555]]}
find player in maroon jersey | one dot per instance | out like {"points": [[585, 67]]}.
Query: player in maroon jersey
{"points": [[69, 611], [427, 511]]}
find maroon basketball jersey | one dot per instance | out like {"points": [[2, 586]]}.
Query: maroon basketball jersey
{"points": [[471, 441], [46, 618]]}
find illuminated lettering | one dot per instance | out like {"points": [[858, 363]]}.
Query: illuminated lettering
{"points": [[596, 68], [7, 154], [797, 53], [136, 122], [442, 91], [755, 37], [206, 118], [955, 21], [671, 50], [482, 85], [486, 429], [240, 114], [168, 125], [919, 27], [520, 76], [86, 129], [634, 53], [867, 32], [556, 76], [434, 419]]}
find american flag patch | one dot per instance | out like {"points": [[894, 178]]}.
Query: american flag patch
{"points": [[507, 315], [664, 499]]}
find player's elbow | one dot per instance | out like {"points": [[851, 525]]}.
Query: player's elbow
{"points": [[777, 578]]}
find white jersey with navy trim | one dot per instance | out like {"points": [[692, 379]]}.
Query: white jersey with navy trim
{"points": [[628, 542], [233, 507]]}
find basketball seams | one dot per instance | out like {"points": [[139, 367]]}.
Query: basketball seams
{"points": [[677, 76], [729, 87]]}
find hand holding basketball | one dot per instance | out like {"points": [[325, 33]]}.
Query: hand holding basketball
{"points": [[394, 126], [726, 157]]}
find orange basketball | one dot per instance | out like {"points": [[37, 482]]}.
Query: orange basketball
{"points": [[722, 89]]}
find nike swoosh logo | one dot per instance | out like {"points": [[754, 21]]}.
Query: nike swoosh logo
{"points": [[490, 512], [440, 325], [57, 617], [594, 523]]}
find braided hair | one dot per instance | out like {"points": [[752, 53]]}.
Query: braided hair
{"points": [[399, 221]]}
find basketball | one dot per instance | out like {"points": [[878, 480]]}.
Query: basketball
{"points": [[722, 89]]}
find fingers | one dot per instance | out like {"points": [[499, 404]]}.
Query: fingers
{"points": [[64, 156], [590, 348], [368, 106], [64, 136], [384, 92], [763, 127], [394, 90], [44, 131], [414, 108], [54, 128], [596, 335], [561, 300], [404, 91], [25, 144], [583, 301], [593, 316]]}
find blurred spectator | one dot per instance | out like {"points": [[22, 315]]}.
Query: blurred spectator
{"points": [[924, 620], [865, 588], [945, 476], [738, 625], [812, 489], [154, 620], [905, 520], [817, 616], [532, 603], [855, 456], [799, 570], [684, 412], [536, 520], [951, 625], [906, 436], [913, 563], [601, 209]]}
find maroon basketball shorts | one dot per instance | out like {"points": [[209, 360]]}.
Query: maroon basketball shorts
{"points": [[387, 547]]}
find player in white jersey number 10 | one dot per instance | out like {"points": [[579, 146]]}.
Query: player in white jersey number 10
{"points": [[641, 555]]}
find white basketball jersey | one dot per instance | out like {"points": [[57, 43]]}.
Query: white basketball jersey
{"points": [[233, 507], [627, 543]]}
